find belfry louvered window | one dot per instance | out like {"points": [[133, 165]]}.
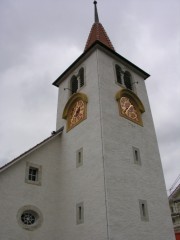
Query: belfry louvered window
{"points": [[77, 81], [118, 74], [127, 80], [74, 84], [81, 77], [123, 77]]}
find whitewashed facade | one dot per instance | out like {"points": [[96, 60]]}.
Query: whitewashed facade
{"points": [[106, 196]]}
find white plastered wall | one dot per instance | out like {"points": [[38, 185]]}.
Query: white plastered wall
{"points": [[127, 182]]}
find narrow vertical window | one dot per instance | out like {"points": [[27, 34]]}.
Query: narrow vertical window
{"points": [[81, 77], [136, 155], [74, 84], [127, 80], [79, 157], [79, 213], [118, 74], [143, 210]]}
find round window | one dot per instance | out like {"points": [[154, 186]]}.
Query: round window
{"points": [[29, 217]]}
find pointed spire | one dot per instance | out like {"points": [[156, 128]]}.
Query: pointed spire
{"points": [[96, 12], [98, 33]]}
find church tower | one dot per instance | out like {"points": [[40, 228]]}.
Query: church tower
{"points": [[118, 185], [99, 175]]}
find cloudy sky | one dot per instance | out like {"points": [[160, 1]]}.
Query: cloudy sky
{"points": [[39, 39]]}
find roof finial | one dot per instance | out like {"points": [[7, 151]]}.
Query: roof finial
{"points": [[96, 12]]}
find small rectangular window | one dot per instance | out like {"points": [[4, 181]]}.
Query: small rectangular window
{"points": [[136, 155], [143, 210], [33, 173], [79, 157], [79, 213]]}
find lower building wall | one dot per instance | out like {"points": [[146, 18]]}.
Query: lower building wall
{"points": [[17, 195]]}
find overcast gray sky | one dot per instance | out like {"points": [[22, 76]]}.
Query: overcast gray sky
{"points": [[39, 39]]}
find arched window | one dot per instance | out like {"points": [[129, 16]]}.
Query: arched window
{"points": [[74, 84], [123, 77], [127, 80], [77, 81], [118, 74], [81, 77]]}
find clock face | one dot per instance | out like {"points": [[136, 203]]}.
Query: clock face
{"points": [[77, 113], [128, 109]]}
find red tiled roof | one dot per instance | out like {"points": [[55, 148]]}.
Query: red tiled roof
{"points": [[98, 33]]}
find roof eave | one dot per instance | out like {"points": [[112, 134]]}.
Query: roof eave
{"points": [[97, 44], [76, 62], [54, 134], [144, 74]]}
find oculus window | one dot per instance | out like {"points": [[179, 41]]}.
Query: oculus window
{"points": [[29, 217]]}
